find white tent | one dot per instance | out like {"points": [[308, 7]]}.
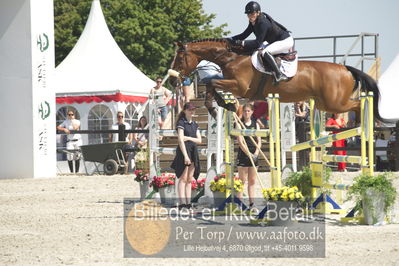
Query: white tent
{"points": [[97, 80], [389, 88], [97, 72]]}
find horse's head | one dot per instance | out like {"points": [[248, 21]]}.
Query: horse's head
{"points": [[185, 61]]}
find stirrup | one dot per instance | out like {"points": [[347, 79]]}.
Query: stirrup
{"points": [[282, 77], [279, 78]]}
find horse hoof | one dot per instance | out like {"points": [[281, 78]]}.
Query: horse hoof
{"points": [[231, 107]]}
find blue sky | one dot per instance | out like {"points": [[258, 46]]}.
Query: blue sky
{"points": [[308, 18]]}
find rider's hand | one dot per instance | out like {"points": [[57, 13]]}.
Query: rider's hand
{"points": [[238, 42]]}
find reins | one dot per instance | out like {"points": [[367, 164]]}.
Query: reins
{"points": [[184, 49]]}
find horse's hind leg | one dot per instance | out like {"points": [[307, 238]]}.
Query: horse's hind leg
{"points": [[356, 108], [350, 105]]}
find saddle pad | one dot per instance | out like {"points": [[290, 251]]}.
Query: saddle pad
{"points": [[288, 68]]}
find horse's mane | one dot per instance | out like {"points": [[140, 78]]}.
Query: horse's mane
{"points": [[210, 40], [229, 45]]}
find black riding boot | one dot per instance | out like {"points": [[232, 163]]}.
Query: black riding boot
{"points": [[70, 163], [77, 164], [268, 59]]}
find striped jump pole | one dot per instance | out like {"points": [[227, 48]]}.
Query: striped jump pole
{"points": [[227, 206], [274, 139]]}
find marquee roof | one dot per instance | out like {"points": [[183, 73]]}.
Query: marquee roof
{"points": [[97, 70]]}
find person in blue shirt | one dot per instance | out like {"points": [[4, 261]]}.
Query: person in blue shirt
{"points": [[186, 162]]}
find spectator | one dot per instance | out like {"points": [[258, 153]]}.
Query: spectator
{"points": [[261, 112], [161, 96], [140, 143], [120, 121], [187, 92], [382, 162], [301, 112], [336, 122], [186, 162], [74, 141], [140, 139], [128, 138], [246, 171], [301, 116]]}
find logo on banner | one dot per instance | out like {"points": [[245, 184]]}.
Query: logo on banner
{"points": [[287, 124], [42, 42], [44, 110], [287, 118], [43, 136]]}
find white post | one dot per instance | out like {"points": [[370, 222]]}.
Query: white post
{"points": [[219, 142], [153, 139], [288, 139], [27, 101], [215, 139]]}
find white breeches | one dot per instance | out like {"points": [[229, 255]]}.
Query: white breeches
{"points": [[73, 145], [279, 47]]}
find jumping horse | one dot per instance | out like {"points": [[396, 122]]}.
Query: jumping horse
{"points": [[331, 85]]}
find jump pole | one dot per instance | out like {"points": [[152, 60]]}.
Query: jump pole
{"points": [[366, 160]]}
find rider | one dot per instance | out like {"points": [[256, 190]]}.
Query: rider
{"points": [[268, 32]]}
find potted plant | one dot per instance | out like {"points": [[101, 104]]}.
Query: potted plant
{"points": [[141, 176], [197, 187], [282, 204], [165, 185], [303, 181], [374, 196], [218, 187]]}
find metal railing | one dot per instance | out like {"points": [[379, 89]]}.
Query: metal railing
{"points": [[334, 55]]}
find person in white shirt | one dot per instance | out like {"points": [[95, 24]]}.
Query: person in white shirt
{"points": [[120, 121], [208, 71], [74, 141], [161, 96]]}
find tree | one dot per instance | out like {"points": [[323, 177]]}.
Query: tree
{"points": [[145, 30]]}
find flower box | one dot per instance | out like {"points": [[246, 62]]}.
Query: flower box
{"points": [[197, 187], [218, 198], [373, 203], [144, 188], [168, 195], [165, 185]]}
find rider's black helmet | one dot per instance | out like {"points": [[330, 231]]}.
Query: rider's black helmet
{"points": [[252, 7]]}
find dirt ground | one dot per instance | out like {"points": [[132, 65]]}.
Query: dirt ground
{"points": [[79, 220]]}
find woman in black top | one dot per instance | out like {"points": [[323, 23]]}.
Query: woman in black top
{"points": [[186, 163], [269, 33], [245, 169]]}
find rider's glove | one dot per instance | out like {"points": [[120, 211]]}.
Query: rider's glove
{"points": [[239, 42]]}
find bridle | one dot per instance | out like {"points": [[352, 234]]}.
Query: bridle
{"points": [[184, 50]]}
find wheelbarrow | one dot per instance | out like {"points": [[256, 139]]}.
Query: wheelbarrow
{"points": [[109, 154]]}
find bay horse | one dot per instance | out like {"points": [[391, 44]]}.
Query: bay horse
{"points": [[331, 85]]}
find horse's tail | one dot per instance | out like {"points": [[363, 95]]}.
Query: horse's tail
{"points": [[368, 84]]}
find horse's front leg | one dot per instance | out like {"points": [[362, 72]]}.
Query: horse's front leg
{"points": [[226, 85], [209, 96]]}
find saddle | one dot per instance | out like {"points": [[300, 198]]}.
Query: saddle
{"points": [[289, 57]]}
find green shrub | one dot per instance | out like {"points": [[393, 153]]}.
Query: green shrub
{"points": [[382, 183], [303, 180]]}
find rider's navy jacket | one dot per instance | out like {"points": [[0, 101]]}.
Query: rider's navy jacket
{"points": [[265, 29]]}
